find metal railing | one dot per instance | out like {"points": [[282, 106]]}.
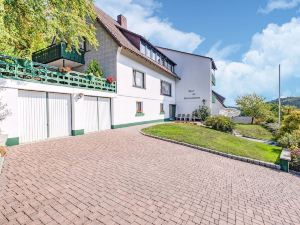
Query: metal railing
{"points": [[26, 70], [56, 52]]}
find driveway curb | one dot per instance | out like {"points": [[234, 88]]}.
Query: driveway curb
{"points": [[239, 158]]}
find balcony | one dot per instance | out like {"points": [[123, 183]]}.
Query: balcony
{"points": [[26, 70], [57, 55]]}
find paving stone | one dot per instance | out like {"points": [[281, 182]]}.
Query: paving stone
{"points": [[122, 177]]}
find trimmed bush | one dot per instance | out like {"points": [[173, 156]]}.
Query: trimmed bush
{"points": [[202, 113], [291, 141], [220, 123]]}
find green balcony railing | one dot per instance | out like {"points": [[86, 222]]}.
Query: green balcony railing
{"points": [[26, 70], [56, 52], [213, 79]]}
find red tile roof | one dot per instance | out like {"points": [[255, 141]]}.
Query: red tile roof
{"points": [[114, 29]]}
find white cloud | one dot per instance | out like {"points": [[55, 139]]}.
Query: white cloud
{"points": [[217, 52], [258, 69], [279, 4], [141, 19]]}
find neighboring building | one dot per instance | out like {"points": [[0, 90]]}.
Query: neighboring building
{"points": [[217, 103], [46, 103], [194, 89]]}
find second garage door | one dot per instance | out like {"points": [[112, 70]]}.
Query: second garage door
{"points": [[59, 114], [97, 116]]}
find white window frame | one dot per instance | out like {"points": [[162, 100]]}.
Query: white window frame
{"points": [[143, 86]]}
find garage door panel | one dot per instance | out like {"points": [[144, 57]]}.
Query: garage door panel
{"points": [[104, 113], [32, 107], [59, 114], [91, 115]]}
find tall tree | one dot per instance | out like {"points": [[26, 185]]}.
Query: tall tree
{"points": [[253, 105], [28, 25]]}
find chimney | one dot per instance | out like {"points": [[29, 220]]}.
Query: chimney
{"points": [[122, 21]]}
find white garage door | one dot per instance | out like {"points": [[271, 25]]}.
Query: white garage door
{"points": [[91, 115], [32, 113], [104, 113], [59, 114]]}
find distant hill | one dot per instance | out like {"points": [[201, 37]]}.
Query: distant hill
{"points": [[295, 101]]}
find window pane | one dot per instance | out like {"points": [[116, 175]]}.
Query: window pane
{"points": [[138, 79], [143, 48], [161, 107], [158, 59], [153, 55], [166, 88], [139, 107], [148, 52]]}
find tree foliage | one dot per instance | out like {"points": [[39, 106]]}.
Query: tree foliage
{"points": [[29, 25], [94, 68], [254, 106], [291, 122]]}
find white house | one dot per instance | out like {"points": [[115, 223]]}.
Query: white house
{"points": [[195, 88], [151, 84]]}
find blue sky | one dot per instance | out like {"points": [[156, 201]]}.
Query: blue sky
{"points": [[247, 38]]}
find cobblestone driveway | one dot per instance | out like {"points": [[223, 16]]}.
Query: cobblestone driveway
{"points": [[122, 177]]}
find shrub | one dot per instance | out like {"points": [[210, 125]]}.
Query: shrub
{"points": [[221, 123], [291, 122], [202, 113], [295, 162], [291, 141], [94, 68]]}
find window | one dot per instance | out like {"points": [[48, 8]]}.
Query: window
{"points": [[148, 53], [139, 107], [138, 79], [166, 88], [162, 111], [158, 58], [143, 48], [172, 68], [153, 56]]}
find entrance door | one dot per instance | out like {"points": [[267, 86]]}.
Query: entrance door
{"points": [[172, 111], [59, 114], [32, 113]]}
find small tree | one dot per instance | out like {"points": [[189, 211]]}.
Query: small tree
{"points": [[202, 113], [254, 106], [94, 68]]}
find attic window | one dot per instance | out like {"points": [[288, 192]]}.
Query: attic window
{"points": [[143, 48]]}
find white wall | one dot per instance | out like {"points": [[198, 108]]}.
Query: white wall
{"points": [[9, 96], [124, 106], [217, 107], [196, 82], [8, 126]]}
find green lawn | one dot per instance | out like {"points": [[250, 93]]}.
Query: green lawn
{"points": [[254, 131], [216, 140]]}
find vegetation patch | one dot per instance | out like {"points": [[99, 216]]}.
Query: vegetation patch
{"points": [[216, 140], [254, 131]]}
